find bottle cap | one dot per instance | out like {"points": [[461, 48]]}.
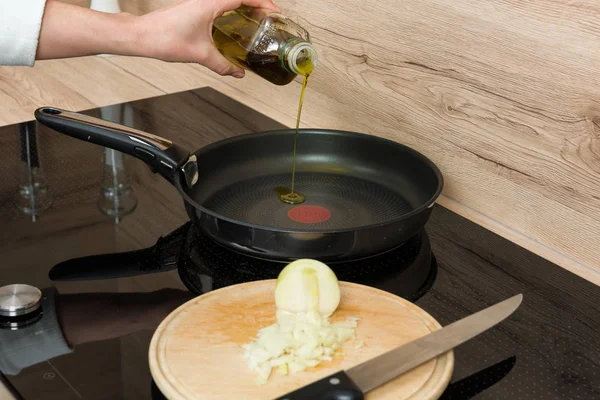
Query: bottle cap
{"points": [[300, 56]]}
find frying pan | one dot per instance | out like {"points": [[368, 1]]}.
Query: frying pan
{"points": [[365, 195]]}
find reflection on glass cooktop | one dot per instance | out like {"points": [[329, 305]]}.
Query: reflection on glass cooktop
{"points": [[203, 265], [408, 271]]}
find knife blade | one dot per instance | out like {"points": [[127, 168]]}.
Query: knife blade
{"points": [[362, 378]]}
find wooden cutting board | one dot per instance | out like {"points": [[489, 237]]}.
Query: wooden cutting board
{"points": [[196, 351]]}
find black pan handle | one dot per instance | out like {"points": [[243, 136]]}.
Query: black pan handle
{"points": [[160, 154]]}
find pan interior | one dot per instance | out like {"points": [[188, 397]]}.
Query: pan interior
{"points": [[357, 180], [351, 202]]}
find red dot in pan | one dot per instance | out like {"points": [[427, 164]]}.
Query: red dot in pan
{"points": [[309, 214]]}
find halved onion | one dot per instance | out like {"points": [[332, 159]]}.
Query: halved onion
{"points": [[305, 285]]}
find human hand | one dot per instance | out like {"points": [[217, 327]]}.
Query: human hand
{"points": [[182, 32]]}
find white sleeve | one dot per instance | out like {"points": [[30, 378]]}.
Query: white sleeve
{"points": [[20, 23]]}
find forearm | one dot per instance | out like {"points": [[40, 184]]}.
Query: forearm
{"points": [[71, 31]]}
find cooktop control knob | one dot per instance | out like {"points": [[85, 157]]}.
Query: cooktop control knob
{"points": [[19, 299]]}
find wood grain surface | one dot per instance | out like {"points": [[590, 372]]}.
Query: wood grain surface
{"points": [[196, 351], [503, 95]]}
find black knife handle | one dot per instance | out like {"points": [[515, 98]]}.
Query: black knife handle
{"points": [[338, 386]]}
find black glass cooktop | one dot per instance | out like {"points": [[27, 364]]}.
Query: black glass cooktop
{"points": [[409, 270], [110, 246]]}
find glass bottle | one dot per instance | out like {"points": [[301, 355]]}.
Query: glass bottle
{"points": [[266, 43]]}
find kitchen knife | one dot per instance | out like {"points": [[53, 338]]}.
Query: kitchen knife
{"points": [[360, 379]]}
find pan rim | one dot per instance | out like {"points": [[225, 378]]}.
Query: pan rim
{"points": [[329, 132]]}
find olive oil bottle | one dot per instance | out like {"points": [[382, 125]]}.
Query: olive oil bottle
{"points": [[268, 44], [273, 47]]}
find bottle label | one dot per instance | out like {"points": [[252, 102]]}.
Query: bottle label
{"points": [[265, 43]]}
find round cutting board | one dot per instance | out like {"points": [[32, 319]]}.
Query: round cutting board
{"points": [[196, 352]]}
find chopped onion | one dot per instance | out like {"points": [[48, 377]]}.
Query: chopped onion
{"points": [[295, 342]]}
